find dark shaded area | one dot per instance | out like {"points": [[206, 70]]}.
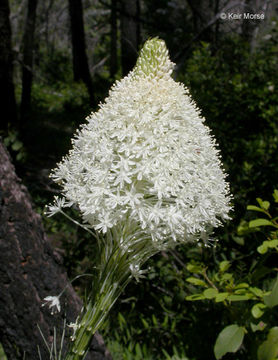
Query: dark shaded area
{"points": [[7, 97], [29, 271], [130, 33], [80, 62], [27, 66], [113, 40]]}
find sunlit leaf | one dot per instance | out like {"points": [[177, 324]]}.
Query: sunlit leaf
{"points": [[268, 350], [196, 281], [275, 195], [258, 327], [239, 297], [221, 296], [210, 293], [255, 208], [258, 310], [224, 265], [260, 222], [271, 300], [229, 340], [195, 297]]}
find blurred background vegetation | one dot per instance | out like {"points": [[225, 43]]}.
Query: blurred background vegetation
{"points": [[58, 60]]}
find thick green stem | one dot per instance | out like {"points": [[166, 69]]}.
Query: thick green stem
{"points": [[123, 251], [113, 278], [90, 322]]}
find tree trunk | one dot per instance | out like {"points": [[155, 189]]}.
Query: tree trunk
{"points": [[203, 12], [199, 16], [249, 26], [29, 271], [8, 104], [130, 33], [27, 66], [114, 37], [80, 61]]}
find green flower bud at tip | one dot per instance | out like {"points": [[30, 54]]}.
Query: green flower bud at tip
{"points": [[154, 60]]}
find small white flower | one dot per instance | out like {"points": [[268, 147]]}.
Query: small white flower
{"points": [[57, 206], [136, 272], [104, 223], [52, 302], [74, 327]]}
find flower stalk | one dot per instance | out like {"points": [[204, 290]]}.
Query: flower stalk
{"points": [[120, 260]]}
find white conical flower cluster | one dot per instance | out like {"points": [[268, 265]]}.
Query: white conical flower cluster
{"points": [[145, 156]]}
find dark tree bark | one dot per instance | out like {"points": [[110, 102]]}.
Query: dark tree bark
{"points": [[29, 271], [27, 66], [80, 61], [113, 39], [130, 34], [8, 104]]}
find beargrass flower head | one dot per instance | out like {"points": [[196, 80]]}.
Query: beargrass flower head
{"points": [[147, 158]]}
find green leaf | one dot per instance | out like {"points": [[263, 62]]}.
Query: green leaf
{"points": [[240, 291], [273, 243], [196, 281], [238, 239], [226, 277], [268, 350], [262, 249], [275, 195], [19, 156], [168, 357], [273, 334], [229, 340], [17, 145], [271, 300], [194, 268], [145, 323], [243, 228], [263, 204], [224, 265], [138, 350], [255, 208], [242, 286], [121, 318], [210, 293], [256, 291], [239, 297], [260, 222], [6, 141], [221, 296], [259, 201], [165, 322], [258, 327], [195, 297], [258, 310]]}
